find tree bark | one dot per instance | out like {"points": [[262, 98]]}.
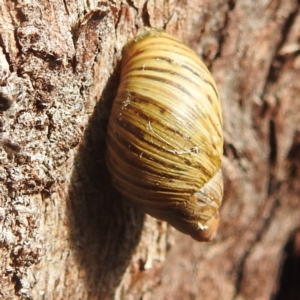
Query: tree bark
{"points": [[65, 233]]}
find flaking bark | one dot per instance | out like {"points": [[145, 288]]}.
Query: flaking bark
{"points": [[64, 231]]}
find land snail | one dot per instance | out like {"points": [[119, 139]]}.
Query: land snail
{"points": [[164, 137]]}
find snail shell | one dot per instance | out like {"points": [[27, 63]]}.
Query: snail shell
{"points": [[164, 140]]}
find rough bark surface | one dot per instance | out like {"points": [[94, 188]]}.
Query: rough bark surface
{"points": [[65, 233]]}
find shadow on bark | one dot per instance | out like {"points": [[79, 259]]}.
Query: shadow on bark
{"points": [[289, 288], [104, 230]]}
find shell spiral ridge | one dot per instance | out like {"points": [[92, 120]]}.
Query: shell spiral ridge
{"points": [[164, 139]]}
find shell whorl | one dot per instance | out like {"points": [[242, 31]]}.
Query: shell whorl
{"points": [[164, 139]]}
